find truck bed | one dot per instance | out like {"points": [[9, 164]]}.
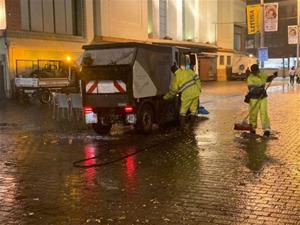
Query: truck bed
{"points": [[41, 82]]}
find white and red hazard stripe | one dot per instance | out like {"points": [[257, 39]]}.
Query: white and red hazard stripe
{"points": [[120, 86], [105, 87], [91, 87]]}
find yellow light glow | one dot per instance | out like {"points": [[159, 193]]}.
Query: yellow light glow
{"points": [[69, 59]]}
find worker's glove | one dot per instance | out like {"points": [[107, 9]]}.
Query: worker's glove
{"points": [[167, 97], [270, 78]]}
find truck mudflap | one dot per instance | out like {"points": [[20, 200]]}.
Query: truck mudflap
{"points": [[130, 119], [90, 116]]}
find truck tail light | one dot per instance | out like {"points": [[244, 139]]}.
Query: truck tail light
{"points": [[87, 110], [128, 109]]}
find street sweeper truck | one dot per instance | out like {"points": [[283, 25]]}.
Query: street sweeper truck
{"points": [[125, 82]]}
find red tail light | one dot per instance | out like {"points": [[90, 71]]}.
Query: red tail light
{"points": [[128, 109], [87, 110]]}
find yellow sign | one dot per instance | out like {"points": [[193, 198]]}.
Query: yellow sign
{"points": [[253, 18]]}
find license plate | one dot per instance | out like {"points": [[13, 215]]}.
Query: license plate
{"points": [[91, 118], [131, 118]]}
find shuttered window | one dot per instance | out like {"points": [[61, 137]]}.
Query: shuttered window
{"points": [[53, 16], [163, 18]]}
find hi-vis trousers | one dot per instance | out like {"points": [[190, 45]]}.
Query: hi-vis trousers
{"points": [[189, 104], [259, 106]]}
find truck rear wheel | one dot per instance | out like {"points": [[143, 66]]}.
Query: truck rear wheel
{"points": [[145, 119], [45, 97], [101, 129]]}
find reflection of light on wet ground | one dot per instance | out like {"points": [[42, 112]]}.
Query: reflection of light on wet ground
{"points": [[59, 138], [8, 186], [209, 138], [130, 166], [283, 87], [87, 136], [90, 173]]}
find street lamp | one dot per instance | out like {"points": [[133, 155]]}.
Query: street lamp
{"points": [[298, 23], [262, 27], [69, 60]]}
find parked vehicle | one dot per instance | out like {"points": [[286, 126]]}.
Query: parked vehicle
{"points": [[49, 76], [125, 82], [240, 64]]}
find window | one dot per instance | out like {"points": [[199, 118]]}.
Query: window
{"points": [[221, 62], [228, 60], [77, 17], [53, 16], [162, 18], [239, 38]]}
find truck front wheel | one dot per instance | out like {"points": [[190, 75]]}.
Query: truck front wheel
{"points": [[101, 129], [145, 119]]}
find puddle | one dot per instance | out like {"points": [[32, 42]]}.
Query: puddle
{"points": [[209, 138]]}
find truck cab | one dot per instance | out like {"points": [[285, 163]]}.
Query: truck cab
{"points": [[125, 82]]}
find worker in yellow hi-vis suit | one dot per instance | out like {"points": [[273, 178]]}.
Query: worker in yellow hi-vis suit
{"points": [[187, 83], [258, 99]]}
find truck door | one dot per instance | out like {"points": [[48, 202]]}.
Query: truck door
{"points": [[194, 62]]}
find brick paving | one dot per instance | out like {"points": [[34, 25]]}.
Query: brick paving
{"points": [[213, 176]]}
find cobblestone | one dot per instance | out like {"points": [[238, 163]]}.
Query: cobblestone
{"points": [[213, 176]]}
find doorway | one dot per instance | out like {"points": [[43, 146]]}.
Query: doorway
{"points": [[207, 68], [2, 82]]}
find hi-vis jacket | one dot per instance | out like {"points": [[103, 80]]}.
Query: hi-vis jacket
{"points": [[187, 83], [256, 85]]}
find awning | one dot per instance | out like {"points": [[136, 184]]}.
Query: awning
{"points": [[199, 46], [190, 44], [208, 54]]}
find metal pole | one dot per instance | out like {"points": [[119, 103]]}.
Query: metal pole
{"points": [[262, 27], [298, 23]]}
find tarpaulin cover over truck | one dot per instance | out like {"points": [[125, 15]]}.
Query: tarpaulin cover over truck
{"points": [[138, 70]]}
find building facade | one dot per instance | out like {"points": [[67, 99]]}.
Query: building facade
{"points": [[233, 59], [189, 23], [41, 30], [55, 29], [281, 54]]}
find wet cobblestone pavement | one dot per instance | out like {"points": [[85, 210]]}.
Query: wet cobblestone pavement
{"points": [[212, 176]]}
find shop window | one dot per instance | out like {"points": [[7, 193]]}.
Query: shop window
{"points": [[228, 60], [221, 62]]}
